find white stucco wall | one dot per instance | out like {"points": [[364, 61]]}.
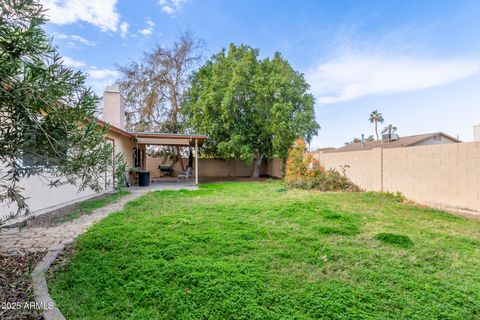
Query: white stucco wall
{"points": [[124, 145], [42, 198]]}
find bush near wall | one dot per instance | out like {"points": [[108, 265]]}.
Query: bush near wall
{"points": [[305, 172]]}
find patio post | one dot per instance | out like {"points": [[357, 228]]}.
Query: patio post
{"points": [[196, 161]]}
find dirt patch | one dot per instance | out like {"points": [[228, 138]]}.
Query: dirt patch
{"points": [[61, 262], [15, 286]]}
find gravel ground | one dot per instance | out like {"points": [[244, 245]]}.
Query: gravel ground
{"points": [[15, 286]]}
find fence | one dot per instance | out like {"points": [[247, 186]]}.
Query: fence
{"points": [[445, 176], [221, 168]]}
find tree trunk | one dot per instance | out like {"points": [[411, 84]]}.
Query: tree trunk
{"points": [[179, 158], [376, 130], [257, 165]]}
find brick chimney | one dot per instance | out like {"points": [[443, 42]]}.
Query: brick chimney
{"points": [[114, 106]]}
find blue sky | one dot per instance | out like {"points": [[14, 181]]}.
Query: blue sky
{"points": [[417, 62]]}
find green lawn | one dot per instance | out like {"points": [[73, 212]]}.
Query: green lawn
{"points": [[256, 251]]}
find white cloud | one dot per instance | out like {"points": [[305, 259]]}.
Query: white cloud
{"points": [[99, 79], [168, 9], [73, 38], [172, 6], [102, 73], [123, 29], [69, 62], [149, 29], [101, 13], [357, 75]]}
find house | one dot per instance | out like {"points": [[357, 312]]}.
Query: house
{"points": [[43, 198], [133, 145], [400, 142]]}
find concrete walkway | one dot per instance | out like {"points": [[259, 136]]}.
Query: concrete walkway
{"points": [[14, 240]]}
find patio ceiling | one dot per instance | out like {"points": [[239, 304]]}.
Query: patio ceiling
{"points": [[159, 139], [169, 139]]}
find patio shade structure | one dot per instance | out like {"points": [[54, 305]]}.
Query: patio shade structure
{"points": [[162, 139], [172, 139]]}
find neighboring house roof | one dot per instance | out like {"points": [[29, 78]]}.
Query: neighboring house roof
{"points": [[324, 149], [158, 138], [407, 141]]}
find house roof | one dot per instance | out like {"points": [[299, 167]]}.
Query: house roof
{"points": [[401, 142], [112, 128], [158, 138]]}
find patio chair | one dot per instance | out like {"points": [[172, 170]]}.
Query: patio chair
{"points": [[185, 175]]}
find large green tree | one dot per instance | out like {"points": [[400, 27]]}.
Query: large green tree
{"points": [[47, 123], [250, 108]]}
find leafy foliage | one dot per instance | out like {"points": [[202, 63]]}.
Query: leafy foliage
{"points": [[250, 108], [296, 167], [303, 171], [156, 86], [359, 140], [155, 89], [120, 171], [46, 111]]}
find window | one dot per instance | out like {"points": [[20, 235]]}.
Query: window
{"points": [[49, 158], [32, 160], [139, 157], [437, 138], [40, 150]]}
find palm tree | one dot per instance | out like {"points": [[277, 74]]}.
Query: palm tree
{"points": [[376, 117], [390, 129]]}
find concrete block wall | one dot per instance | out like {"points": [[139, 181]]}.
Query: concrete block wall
{"points": [[364, 167], [443, 176], [220, 168]]}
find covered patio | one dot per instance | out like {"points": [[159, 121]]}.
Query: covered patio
{"points": [[144, 139]]}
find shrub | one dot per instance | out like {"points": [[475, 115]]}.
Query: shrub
{"points": [[303, 171], [295, 168]]}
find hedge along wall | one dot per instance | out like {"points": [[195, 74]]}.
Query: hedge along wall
{"points": [[445, 176]]}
